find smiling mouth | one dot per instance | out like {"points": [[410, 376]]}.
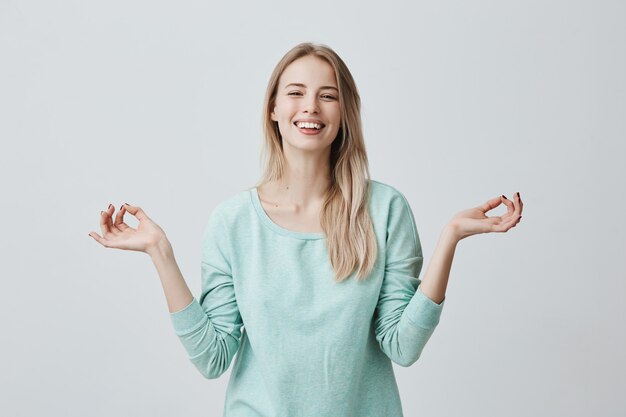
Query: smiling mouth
{"points": [[309, 126]]}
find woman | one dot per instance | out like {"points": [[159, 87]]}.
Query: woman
{"points": [[318, 263]]}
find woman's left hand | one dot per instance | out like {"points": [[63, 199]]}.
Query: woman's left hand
{"points": [[474, 221]]}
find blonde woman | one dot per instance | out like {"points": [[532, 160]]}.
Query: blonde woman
{"points": [[310, 276]]}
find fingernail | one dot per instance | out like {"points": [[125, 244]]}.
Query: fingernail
{"points": [[518, 196], [504, 197], [126, 204], [101, 213]]}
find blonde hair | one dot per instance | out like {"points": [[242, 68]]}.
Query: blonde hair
{"points": [[344, 216]]}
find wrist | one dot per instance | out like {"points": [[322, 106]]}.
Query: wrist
{"points": [[451, 234], [161, 249]]}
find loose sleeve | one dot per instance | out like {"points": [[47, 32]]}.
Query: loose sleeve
{"points": [[210, 328], [405, 316]]}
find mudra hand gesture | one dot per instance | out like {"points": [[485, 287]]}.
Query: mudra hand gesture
{"points": [[474, 221], [117, 234]]}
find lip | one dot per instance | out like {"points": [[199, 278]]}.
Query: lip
{"points": [[310, 121]]}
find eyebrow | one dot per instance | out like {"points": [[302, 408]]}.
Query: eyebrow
{"points": [[302, 85]]}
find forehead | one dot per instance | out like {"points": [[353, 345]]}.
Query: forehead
{"points": [[309, 70]]}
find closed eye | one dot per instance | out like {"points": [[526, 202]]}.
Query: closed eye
{"points": [[325, 96]]}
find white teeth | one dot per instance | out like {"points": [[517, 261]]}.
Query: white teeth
{"points": [[309, 125]]}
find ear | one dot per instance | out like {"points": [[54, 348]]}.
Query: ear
{"points": [[273, 115]]}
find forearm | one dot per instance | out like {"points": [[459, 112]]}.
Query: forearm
{"points": [[176, 291], [435, 280]]}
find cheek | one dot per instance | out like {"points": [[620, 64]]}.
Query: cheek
{"points": [[337, 116], [285, 107], [335, 111]]}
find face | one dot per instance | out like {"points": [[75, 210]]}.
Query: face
{"points": [[307, 92]]}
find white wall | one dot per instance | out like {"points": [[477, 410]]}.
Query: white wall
{"points": [[158, 104]]}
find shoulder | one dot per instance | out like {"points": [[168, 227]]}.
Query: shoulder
{"points": [[230, 209], [384, 197], [234, 202], [384, 188], [393, 217]]}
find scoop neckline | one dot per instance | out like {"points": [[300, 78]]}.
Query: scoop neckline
{"points": [[266, 219]]}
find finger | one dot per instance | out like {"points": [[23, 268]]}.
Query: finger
{"points": [[491, 204], [509, 206], [513, 208], [517, 213], [112, 227], [119, 219], [99, 239], [136, 211], [104, 224], [519, 200]]}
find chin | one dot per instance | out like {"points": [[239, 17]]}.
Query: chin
{"points": [[308, 144]]}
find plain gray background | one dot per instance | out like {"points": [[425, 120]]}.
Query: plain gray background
{"points": [[158, 104]]}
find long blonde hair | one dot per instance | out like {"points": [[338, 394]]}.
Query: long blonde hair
{"points": [[344, 216]]}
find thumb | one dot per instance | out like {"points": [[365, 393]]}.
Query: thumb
{"points": [[136, 211], [491, 204]]}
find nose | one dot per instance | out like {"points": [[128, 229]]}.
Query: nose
{"points": [[310, 104]]}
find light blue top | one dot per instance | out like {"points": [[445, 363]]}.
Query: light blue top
{"points": [[306, 345]]}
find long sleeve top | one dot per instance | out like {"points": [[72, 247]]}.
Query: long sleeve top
{"points": [[305, 344]]}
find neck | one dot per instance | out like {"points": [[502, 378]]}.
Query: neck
{"points": [[304, 184], [305, 179]]}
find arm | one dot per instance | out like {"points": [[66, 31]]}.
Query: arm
{"points": [[408, 310], [149, 238], [464, 224], [405, 317], [435, 280], [176, 291], [210, 328], [210, 345]]}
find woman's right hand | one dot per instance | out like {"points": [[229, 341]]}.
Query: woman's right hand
{"points": [[117, 234]]}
